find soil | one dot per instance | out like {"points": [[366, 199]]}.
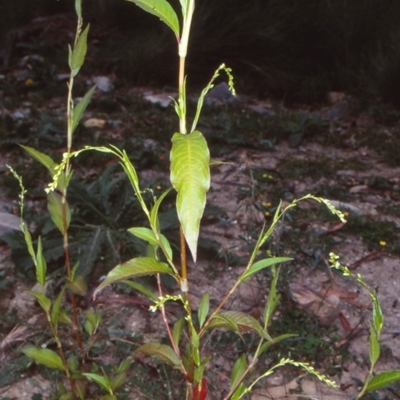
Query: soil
{"points": [[325, 296]]}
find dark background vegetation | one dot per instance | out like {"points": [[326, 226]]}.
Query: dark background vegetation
{"points": [[294, 50]]}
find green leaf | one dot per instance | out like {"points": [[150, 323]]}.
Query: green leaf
{"points": [[42, 158], [162, 352], [377, 315], [29, 244], [383, 379], [78, 286], [41, 266], [55, 207], [134, 268], [118, 380], [204, 307], [239, 322], [78, 8], [145, 234], [102, 381], [273, 298], [260, 265], [79, 109], [177, 330], [137, 286], [277, 339], [238, 392], [374, 347], [79, 52], [190, 176], [238, 369], [55, 311], [47, 357], [161, 9], [154, 210], [43, 300]]}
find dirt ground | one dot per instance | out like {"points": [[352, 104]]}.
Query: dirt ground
{"points": [[324, 295]]}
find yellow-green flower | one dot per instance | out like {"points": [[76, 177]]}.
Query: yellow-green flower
{"points": [[382, 243], [266, 204]]}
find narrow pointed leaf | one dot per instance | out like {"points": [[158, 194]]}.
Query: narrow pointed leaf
{"points": [[243, 321], [145, 234], [41, 266], [383, 379], [142, 289], [162, 352], [78, 8], [55, 311], [47, 357], [55, 207], [80, 108], [79, 52], [43, 300], [29, 244], [377, 315], [78, 286], [148, 235], [161, 9], [177, 330], [374, 347], [100, 380], [265, 263], [238, 368], [204, 307], [277, 339], [134, 268], [190, 176], [42, 158], [238, 392], [154, 210]]}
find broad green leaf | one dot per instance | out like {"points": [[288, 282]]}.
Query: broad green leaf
{"points": [[47, 357], [78, 286], [243, 321], [190, 176], [162, 352], [204, 307], [137, 286], [383, 379], [374, 347], [55, 207], [265, 263], [134, 268], [79, 109], [161, 9], [177, 330], [238, 369], [43, 300], [102, 381], [79, 52], [41, 266]]}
